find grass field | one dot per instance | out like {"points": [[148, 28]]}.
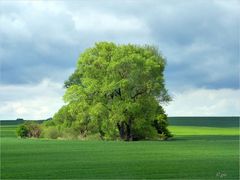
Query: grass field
{"points": [[196, 152]]}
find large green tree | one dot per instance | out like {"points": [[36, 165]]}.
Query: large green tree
{"points": [[117, 91]]}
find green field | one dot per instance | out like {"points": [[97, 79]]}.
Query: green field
{"points": [[206, 151]]}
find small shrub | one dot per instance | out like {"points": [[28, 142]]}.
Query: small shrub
{"points": [[29, 129], [161, 127], [34, 130], [22, 131], [69, 133], [51, 133]]}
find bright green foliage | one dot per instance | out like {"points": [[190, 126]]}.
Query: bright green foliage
{"points": [[116, 91]]}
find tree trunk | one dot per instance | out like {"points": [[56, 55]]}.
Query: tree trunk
{"points": [[129, 130], [121, 130]]}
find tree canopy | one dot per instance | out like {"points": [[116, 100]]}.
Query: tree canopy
{"points": [[116, 92]]}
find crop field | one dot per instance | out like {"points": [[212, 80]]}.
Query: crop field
{"points": [[206, 150]]}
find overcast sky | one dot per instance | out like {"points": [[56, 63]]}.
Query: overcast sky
{"points": [[41, 41]]}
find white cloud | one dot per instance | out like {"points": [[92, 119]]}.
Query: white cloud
{"points": [[205, 102], [99, 21], [39, 101], [44, 99]]}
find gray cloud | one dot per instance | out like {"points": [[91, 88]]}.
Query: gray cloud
{"points": [[40, 42], [43, 39]]}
